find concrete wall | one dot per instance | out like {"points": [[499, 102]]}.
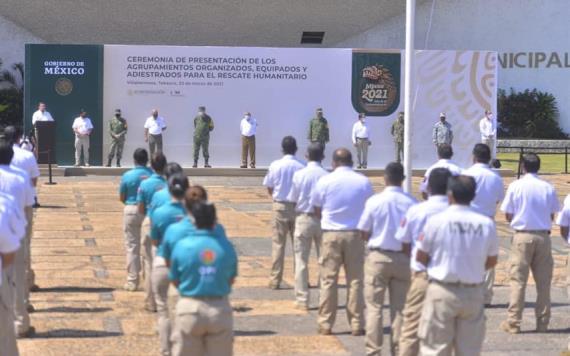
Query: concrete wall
{"points": [[13, 39], [514, 28]]}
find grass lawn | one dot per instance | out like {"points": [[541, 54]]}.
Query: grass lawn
{"points": [[549, 163]]}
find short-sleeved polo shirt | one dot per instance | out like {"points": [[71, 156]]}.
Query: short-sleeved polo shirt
{"points": [[11, 228], [490, 189], [160, 198], [162, 218], [179, 231], [130, 182], [304, 182], [280, 177], [453, 168], [148, 188]]}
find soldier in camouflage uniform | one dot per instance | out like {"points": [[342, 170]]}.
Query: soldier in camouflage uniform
{"points": [[442, 132], [203, 124], [398, 134], [118, 131], [319, 129]]}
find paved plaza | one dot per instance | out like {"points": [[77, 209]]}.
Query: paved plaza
{"points": [[81, 309]]}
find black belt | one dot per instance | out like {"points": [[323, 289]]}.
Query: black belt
{"points": [[156, 134], [378, 249], [533, 231], [362, 138], [456, 284]]}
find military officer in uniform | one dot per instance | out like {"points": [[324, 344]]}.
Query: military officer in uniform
{"points": [[319, 129], [442, 132], [398, 134], [118, 131], [203, 124]]}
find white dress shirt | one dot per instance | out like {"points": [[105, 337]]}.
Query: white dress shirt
{"points": [[304, 182], [341, 195], [82, 125], [11, 228], [490, 189], [531, 201], [29, 191], [155, 126], [360, 130], [382, 215], [487, 128], [442, 163], [280, 177], [413, 224], [16, 186], [41, 116], [458, 241], [26, 161], [563, 218], [248, 128]]}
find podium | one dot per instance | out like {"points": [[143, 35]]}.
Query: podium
{"points": [[45, 139]]}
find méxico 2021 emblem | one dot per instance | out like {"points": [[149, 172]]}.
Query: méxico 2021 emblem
{"points": [[63, 86]]}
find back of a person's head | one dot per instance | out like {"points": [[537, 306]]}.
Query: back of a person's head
{"points": [[204, 214], [140, 157], [531, 163], [178, 185], [444, 151], [171, 169], [462, 189], [482, 153], [158, 162], [12, 134], [6, 151], [394, 173], [437, 181], [194, 194], [315, 152], [289, 145], [342, 157]]}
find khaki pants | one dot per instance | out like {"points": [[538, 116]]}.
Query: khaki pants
{"points": [[362, 151], [248, 145], [491, 143], [160, 284], [384, 270], [307, 231], [30, 274], [568, 276], [283, 228], [203, 327], [8, 345], [81, 143], [489, 282], [341, 248], [453, 319], [409, 343], [147, 257], [530, 251], [21, 280], [154, 144], [132, 221]]}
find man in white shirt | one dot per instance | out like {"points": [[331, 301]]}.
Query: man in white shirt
{"points": [[529, 206], [339, 200], [563, 221], [457, 246], [248, 129], [444, 152], [307, 226], [386, 266], [488, 130], [41, 114], [408, 233], [153, 128], [361, 140], [82, 127], [279, 180], [490, 192]]}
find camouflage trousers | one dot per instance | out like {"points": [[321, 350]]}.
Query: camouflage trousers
{"points": [[204, 142], [117, 146]]}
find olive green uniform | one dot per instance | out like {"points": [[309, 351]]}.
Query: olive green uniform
{"points": [[118, 131], [319, 131], [202, 127], [398, 134]]}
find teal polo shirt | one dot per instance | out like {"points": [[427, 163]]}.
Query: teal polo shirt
{"points": [[162, 218], [130, 182], [204, 265], [178, 231], [160, 198], [147, 189]]}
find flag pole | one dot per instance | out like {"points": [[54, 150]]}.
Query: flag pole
{"points": [[408, 74]]}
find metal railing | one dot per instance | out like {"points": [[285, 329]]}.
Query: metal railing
{"points": [[558, 150]]}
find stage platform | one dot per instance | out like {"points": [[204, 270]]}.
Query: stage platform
{"points": [[70, 171]]}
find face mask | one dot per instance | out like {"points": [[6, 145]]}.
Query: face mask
{"points": [[363, 120], [490, 116], [117, 115], [247, 117]]}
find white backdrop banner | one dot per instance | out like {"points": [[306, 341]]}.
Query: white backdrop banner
{"points": [[282, 87]]}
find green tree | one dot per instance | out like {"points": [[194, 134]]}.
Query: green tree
{"points": [[528, 114], [12, 95]]}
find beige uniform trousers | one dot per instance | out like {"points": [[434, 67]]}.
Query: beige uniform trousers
{"points": [[453, 320], [530, 251], [409, 342], [203, 327], [341, 248], [132, 221], [160, 284], [283, 229], [81, 144], [147, 258], [491, 143], [30, 274], [21, 286], [384, 270], [307, 231], [8, 345], [248, 146], [568, 276]]}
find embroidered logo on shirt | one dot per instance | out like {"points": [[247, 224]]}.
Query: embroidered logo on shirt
{"points": [[208, 257]]}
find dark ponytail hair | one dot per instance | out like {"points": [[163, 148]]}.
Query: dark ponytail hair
{"points": [[177, 185], [171, 169], [204, 215], [195, 194]]}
